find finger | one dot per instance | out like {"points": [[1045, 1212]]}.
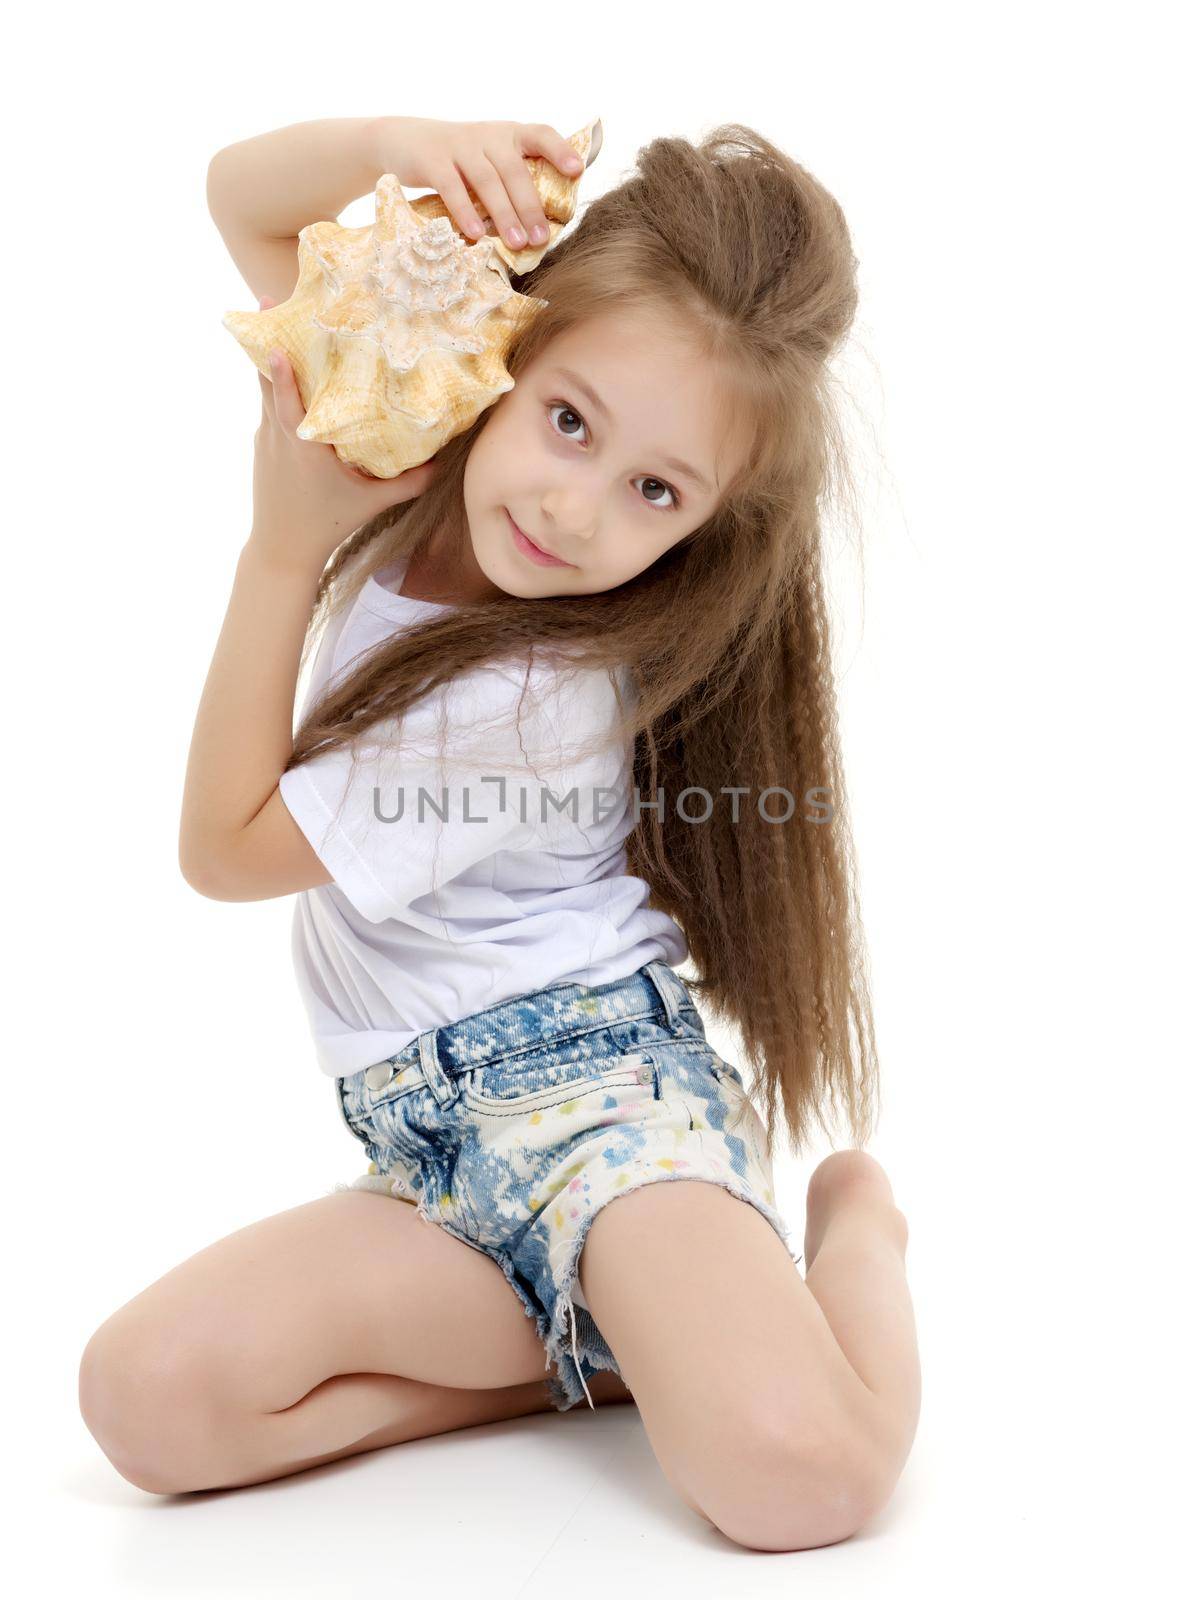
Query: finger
{"points": [[485, 178], [540, 139], [388, 483], [265, 386], [515, 172], [410, 475], [453, 190], [406, 485], [289, 407]]}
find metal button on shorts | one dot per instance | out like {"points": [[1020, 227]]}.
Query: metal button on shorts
{"points": [[379, 1074]]}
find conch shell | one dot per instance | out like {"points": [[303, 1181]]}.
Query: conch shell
{"points": [[397, 332]]}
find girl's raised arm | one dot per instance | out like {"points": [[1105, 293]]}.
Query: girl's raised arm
{"points": [[263, 191], [237, 839], [278, 182]]}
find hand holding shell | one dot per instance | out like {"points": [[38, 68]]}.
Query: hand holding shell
{"points": [[397, 332], [306, 501]]}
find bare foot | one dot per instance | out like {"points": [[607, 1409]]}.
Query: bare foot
{"points": [[849, 1178]]}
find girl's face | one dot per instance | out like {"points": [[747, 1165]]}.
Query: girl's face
{"points": [[598, 479]]}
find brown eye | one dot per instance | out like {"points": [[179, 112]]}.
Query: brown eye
{"points": [[672, 503], [659, 505], [561, 405]]}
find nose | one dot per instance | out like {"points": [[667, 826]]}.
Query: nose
{"points": [[571, 512]]}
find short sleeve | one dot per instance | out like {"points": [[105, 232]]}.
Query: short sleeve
{"points": [[486, 763]]}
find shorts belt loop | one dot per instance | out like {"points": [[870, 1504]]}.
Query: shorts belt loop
{"points": [[665, 982], [339, 1085], [444, 1092]]}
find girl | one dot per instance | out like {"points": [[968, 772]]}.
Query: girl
{"points": [[609, 587]]}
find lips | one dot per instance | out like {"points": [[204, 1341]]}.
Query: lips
{"points": [[560, 559], [533, 542]]}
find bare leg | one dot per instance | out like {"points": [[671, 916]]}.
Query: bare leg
{"points": [[784, 1424], [341, 1325], [361, 1411], [854, 1250]]}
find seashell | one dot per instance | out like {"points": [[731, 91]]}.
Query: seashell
{"points": [[397, 332]]}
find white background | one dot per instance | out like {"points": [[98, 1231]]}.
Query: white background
{"points": [[1018, 720]]}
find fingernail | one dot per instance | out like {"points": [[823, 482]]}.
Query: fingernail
{"points": [[574, 164]]}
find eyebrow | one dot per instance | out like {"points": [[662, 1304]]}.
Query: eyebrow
{"points": [[697, 478]]}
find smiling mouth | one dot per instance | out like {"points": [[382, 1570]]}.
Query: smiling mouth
{"points": [[549, 554]]}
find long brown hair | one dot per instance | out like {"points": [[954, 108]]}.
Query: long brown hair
{"points": [[726, 636]]}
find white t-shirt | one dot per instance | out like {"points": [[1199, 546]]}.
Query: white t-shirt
{"points": [[465, 898]]}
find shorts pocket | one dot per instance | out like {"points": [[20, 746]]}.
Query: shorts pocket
{"points": [[687, 1064], [696, 1055], [508, 1089]]}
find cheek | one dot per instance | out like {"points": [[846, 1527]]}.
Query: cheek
{"points": [[477, 472], [491, 453]]}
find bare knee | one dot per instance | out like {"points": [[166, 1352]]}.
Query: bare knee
{"points": [[140, 1396], [793, 1491]]}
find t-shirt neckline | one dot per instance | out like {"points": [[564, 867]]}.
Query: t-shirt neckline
{"points": [[380, 593]]}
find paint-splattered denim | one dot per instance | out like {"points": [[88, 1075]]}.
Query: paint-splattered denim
{"points": [[512, 1127]]}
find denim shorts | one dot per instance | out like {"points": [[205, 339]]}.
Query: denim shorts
{"points": [[511, 1128]]}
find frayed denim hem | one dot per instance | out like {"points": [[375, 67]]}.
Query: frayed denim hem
{"points": [[570, 1335], [585, 1337], [375, 1183]]}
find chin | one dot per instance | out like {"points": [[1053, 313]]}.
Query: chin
{"points": [[500, 572], [504, 566]]}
